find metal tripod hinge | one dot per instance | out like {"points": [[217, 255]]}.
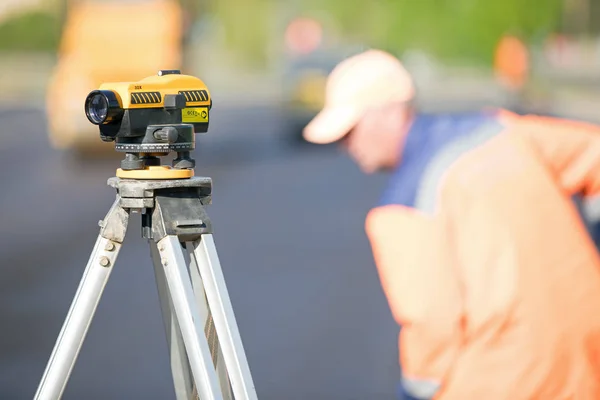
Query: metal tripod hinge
{"points": [[207, 356]]}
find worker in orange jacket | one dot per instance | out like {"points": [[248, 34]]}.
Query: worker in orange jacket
{"points": [[511, 68], [482, 255]]}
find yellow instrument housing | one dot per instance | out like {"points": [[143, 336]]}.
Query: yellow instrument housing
{"points": [[150, 92]]}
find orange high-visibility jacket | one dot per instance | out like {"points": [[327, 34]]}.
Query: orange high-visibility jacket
{"points": [[492, 275]]}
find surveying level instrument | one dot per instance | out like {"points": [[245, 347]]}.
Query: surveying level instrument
{"points": [[146, 119], [155, 116]]}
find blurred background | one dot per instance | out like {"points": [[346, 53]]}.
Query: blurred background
{"points": [[288, 216]]}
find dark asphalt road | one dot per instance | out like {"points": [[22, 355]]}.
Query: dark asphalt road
{"points": [[289, 230]]}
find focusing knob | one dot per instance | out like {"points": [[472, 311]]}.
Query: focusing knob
{"points": [[168, 134]]}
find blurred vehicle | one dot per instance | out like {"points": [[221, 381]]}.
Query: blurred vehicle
{"points": [[566, 69], [107, 41], [303, 91], [307, 64]]}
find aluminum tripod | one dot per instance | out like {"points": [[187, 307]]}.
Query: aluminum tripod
{"points": [[207, 357]]}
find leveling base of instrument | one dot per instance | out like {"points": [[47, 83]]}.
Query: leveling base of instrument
{"points": [[207, 356], [155, 172]]}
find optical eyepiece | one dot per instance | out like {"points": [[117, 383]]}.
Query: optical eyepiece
{"points": [[102, 107]]}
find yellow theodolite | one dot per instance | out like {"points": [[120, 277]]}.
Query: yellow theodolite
{"points": [[149, 118], [146, 119]]}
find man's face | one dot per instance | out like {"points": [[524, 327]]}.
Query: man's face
{"points": [[375, 143]]}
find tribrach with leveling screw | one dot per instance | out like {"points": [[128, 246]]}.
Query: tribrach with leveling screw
{"points": [[148, 119]]}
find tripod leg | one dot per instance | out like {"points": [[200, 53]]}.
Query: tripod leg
{"points": [[188, 316], [84, 304], [209, 326], [209, 266], [180, 368]]}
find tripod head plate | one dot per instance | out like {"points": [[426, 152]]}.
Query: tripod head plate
{"points": [[140, 193]]}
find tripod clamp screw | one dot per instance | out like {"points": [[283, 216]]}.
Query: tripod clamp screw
{"points": [[104, 261]]}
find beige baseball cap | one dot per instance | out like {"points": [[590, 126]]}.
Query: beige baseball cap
{"points": [[366, 80]]}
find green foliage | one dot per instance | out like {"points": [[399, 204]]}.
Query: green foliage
{"points": [[247, 27], [32, 31], [450, 29], [466, 30]]}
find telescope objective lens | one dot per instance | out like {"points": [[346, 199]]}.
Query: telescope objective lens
{"points": [[98, 108], [102, 107]]}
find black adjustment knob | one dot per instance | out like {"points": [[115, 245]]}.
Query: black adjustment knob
{"points": [[168, 134], [169, 72]]}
